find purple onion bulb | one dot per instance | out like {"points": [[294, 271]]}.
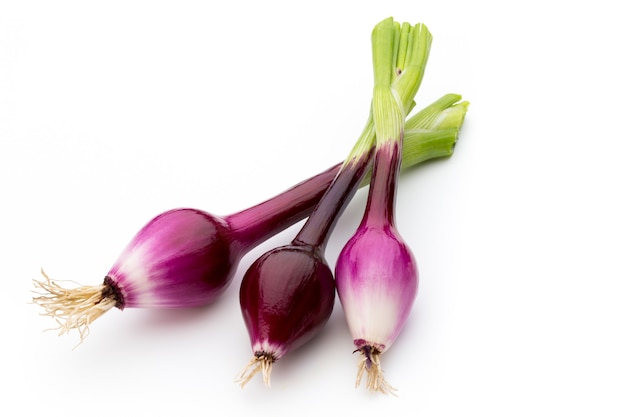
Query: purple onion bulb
{"points": [[377, 282]]}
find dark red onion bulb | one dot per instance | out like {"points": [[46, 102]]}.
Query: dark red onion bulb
{"points": [[286, 296]]}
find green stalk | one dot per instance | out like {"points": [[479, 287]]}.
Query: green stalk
{"points": [[400, 56], [434, 130]]}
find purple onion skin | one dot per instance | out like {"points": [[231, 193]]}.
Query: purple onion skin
{"points": [[286, 298], [187, 257], [181, 258], [377, 282]]}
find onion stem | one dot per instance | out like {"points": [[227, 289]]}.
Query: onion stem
{"points": [[427, 137]]}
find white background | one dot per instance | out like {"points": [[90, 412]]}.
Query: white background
{"points": [[111, 112]]}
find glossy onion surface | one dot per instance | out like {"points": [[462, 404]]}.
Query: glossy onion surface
{"points": [[286, 297]]}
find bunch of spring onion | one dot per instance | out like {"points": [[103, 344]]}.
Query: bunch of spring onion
{"points": [[287, 295], [187, 257], [376, 273]]}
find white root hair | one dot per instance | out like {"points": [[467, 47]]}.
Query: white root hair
{"points": [[259, 363], [369, 364], [72, 308]]}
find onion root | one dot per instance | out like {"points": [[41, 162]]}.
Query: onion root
{"points": [[370, 364], [72, 308], [260, 363]]}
